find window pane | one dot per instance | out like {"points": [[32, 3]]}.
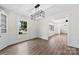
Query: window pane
{"points": [[3, 23]]}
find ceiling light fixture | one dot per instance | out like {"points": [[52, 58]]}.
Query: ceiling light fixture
{"points": [[38, 13]]}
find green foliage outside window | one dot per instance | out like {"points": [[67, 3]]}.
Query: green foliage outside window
{"points": [[23, 27]]}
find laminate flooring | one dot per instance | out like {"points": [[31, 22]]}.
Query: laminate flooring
{"points": [[56, 45]]}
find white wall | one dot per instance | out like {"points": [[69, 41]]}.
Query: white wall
{"points": [[74, 28], [43, 29], [38, 28], [12, 28], [32, 29]]}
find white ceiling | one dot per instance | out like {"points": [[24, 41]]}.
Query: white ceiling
{"points": [[51, 9], [59, 8], [23, 9]]}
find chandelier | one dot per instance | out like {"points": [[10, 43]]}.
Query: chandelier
{"points": [[39, 14]]}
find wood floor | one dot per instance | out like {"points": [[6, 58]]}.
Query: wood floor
{"points": [[56, 45]]}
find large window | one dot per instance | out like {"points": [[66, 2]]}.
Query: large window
{"points": [[51, 27], [23, 27], [3, 23]]}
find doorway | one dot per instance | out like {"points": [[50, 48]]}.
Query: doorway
{"points": [[59, 31]]}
